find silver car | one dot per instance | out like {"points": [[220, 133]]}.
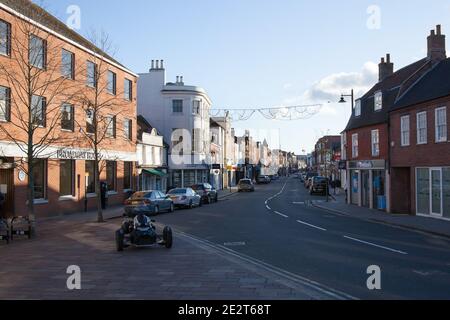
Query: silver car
{"points": [[185, 198], [246, 185]]}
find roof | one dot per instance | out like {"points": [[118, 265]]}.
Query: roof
{"points": [[44, 18], [390, 87], [432, 85]]}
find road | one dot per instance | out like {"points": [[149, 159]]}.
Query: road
{"points": [[276, 226]]}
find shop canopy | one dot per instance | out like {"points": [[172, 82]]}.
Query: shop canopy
{"points": [[155, 172]]}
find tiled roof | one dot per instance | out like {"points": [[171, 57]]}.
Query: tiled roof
{"points": [[433, 85], [390, 88], [39, 15]]}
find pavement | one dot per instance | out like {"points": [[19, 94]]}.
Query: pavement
{"points": [[429, 225], [268, 244], [192, 270]]}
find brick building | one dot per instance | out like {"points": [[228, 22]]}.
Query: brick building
{"points": [[63, 172], [328, 154], [366, 137], [420, 149]]}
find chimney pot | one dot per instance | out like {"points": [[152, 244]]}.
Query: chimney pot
{"points": [[382, 60], [162, 64], [388, 58], [153, 64], [438, 29], [436, 45]]}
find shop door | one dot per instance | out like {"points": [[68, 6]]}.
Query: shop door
{"points": [[7, 188], [365, 188], [436, 192]]}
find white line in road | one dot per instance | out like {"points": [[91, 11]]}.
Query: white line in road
{"points": [[298, 203], [311, 225], [376, 245], [268, 208], [280, 214]]}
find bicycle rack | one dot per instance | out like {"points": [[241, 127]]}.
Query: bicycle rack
{"points": [[4, 231], [23, 228]]}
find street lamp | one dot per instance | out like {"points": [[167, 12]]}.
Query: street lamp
{"points": [[351, 95]]}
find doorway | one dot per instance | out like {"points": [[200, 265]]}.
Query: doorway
{"points": [[365, 181], [7, 188]]}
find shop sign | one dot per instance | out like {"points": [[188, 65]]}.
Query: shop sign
{"points": [[367, 164], [75, 154]]}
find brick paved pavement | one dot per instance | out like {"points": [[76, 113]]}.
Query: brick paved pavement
{"points": [[36, 269]]}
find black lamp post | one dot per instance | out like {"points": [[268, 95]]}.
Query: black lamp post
{"points": [[352, 96]]}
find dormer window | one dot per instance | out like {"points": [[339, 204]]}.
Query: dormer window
{"points": [[358, 108], [378, 101]]}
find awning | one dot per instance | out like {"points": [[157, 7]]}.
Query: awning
{"points": [[155, 172]]}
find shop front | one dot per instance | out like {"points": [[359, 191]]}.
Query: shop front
{"points": [[184, 178], [153, 179], [433, 192], [368, 184]]}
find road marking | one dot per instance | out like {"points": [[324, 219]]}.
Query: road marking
{"points": [[280, 214], [234, 244], [298, 202], [268, 208], [311, 225], [376, 245]]}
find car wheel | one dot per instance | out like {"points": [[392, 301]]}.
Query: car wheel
{"points": [[172, 208], [208, 200], [119, 241], [167, 237], [191, 205], [156, 210]]}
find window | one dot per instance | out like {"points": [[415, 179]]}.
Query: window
{"points": [[90, 128], [127, 175], [38, 105], [127, 129], [177, 106], [112, 83], [375, 143], [441, 124], [196, 107], [422, 128], [66, 178], [355, 145], [39, 178], [37, 52], [358, 108], [378, 101], [128, 90], [5, 103], [90, 173], [68, 64], [67, 118], [405, 131], [111, 173], [423, 190], [5, 38], [111, 126], [91, 77]]}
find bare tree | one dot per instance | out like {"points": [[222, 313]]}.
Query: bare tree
{"points": [[102, 105], [38, 83]]}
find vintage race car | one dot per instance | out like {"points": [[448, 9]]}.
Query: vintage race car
{"points": [[139, 231]]}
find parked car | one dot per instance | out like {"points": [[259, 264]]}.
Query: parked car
{"points": [[309, 176], [318, 185], [185, 197], [207, 193], [263, 180], [149, 202], [246, 185]]}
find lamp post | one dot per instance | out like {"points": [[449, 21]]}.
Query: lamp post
{"points": [[351, 95]]}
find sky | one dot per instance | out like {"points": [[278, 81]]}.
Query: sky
{"points": [[261, 54]]}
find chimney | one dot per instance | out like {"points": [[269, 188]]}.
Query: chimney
{"points": [[162, 64], [153, 64], [386, 68], [436, 45], [178, 80], [181, 81], [157, 64]]}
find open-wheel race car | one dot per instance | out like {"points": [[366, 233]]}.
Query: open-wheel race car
{"points": [[138, 230]]}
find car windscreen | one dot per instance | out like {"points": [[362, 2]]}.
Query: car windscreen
{"points": [[245, 182], [141, 195], [320, 180], [177, 191], [198, 187]]}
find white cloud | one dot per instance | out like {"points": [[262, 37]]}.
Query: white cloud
{"points": [[328, 90]]}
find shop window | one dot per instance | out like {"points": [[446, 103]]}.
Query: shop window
{"points": [[423, 190], [111, 175], [67, 178], [39, 178], [446, 191], [90, 172], [127, 175]]}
